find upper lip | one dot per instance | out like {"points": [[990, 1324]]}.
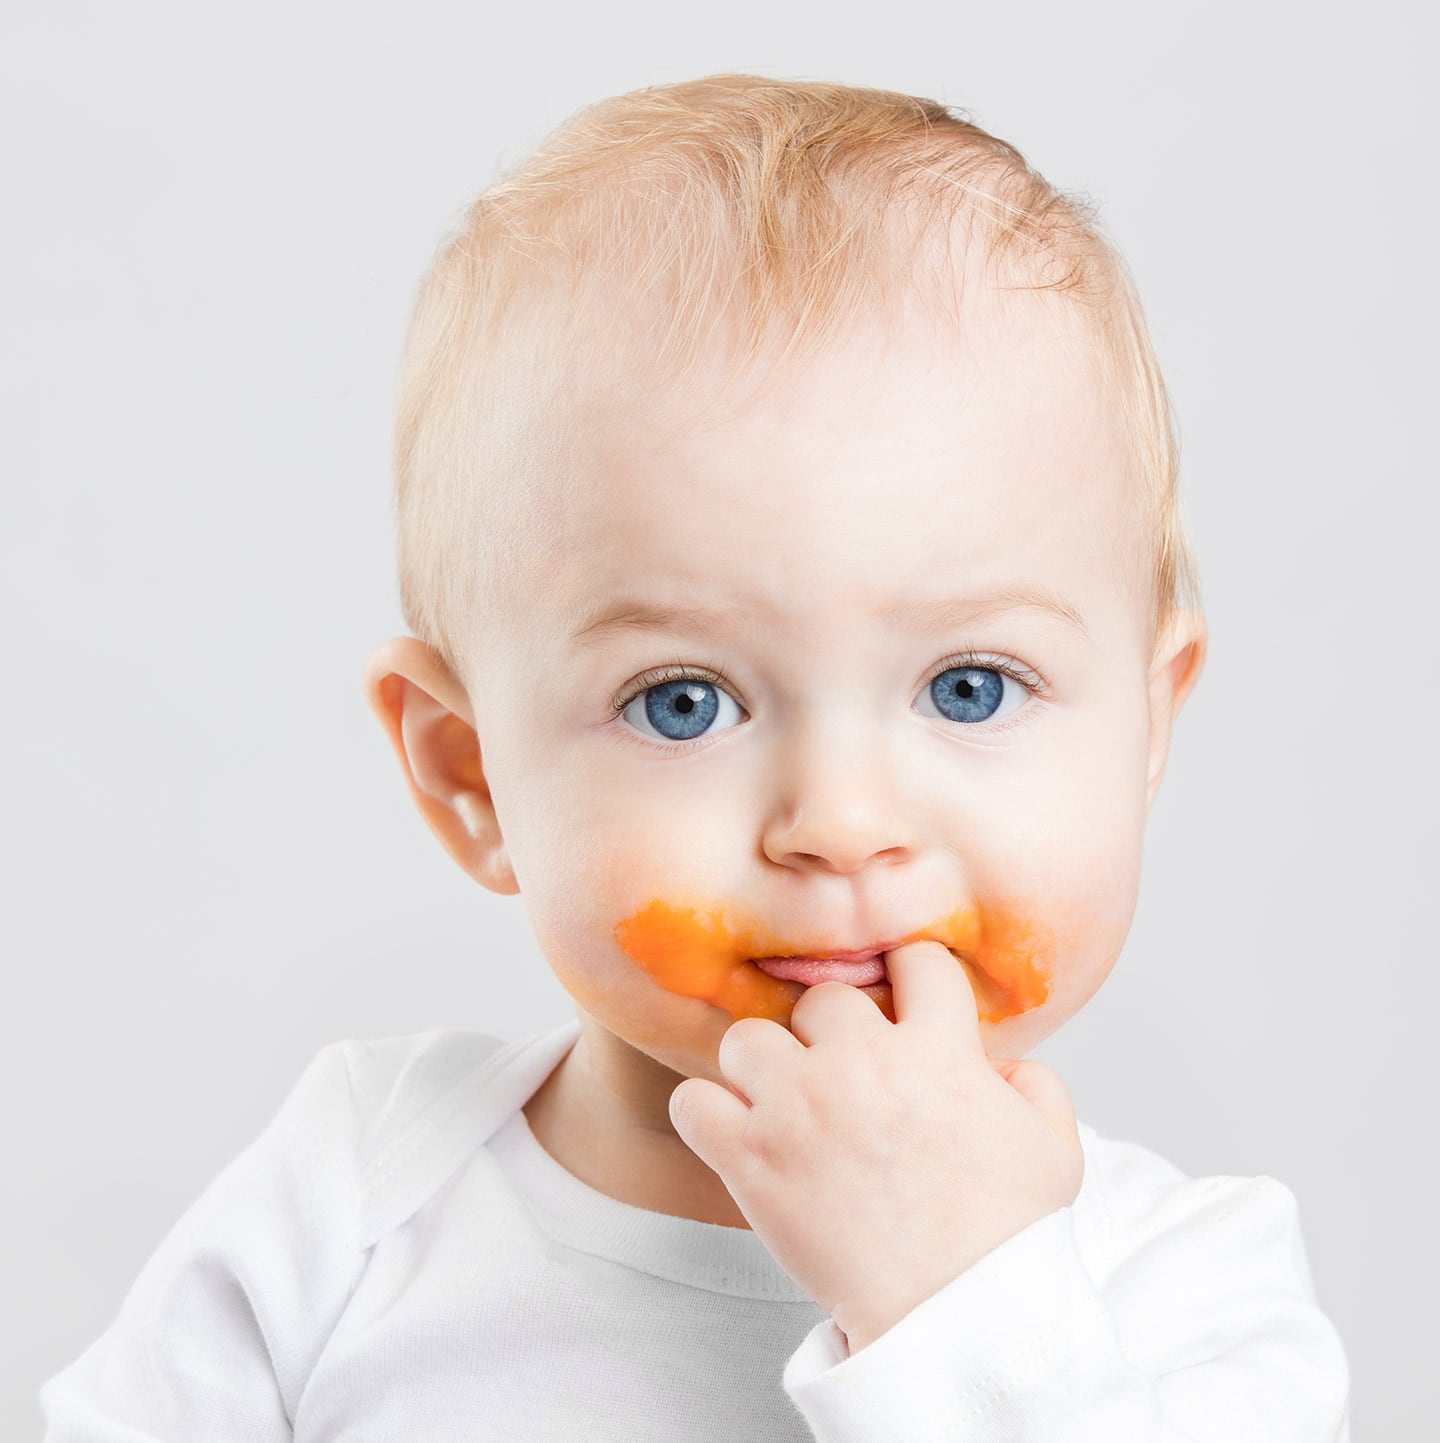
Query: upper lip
{"points": [[858, 954]]}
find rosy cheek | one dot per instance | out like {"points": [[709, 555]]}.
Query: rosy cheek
{"points": [[1013, 955], [696, 952]]}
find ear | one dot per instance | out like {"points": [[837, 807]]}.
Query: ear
{"points": [[428, 718], [1175, 668]]}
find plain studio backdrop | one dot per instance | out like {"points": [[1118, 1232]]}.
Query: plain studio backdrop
{"points": [[216, 222]]}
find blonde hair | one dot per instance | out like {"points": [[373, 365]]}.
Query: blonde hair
{"points": [[767, 208]]}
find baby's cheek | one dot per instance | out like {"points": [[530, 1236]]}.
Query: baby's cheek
{"points": [[1085, 951]]}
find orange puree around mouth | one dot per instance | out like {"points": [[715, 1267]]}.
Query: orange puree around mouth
{"points": [[696, 952]]}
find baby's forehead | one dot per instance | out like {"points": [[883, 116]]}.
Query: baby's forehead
{"points": [[896, 445], [1003, 340]]}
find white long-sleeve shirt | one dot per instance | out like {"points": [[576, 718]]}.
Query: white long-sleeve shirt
{"points": [[397, 1258]]}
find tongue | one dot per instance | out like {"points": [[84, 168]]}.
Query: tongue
{"points": [[858, 972]]}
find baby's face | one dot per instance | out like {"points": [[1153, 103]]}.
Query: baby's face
{"points": [[864, 660]]}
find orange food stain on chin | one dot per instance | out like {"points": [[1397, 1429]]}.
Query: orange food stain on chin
{"points": [[696, 952]]}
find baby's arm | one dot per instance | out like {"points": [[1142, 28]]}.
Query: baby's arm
{"points": [[1206, 1331], [221, 1328], [921, 1194]]}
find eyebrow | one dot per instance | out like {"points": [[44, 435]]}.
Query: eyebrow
{"points": [[635, 614]]}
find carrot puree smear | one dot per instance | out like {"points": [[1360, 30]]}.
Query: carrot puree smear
{"points": [[695, 952]]}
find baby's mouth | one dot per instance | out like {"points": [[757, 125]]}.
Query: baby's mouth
{"points": [[859, 971]]}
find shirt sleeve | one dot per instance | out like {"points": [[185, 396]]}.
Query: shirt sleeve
{"points": [[1206, 1331], [223, 1324]]}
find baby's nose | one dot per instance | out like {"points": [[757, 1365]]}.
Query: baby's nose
{"points": [[839, 808]]}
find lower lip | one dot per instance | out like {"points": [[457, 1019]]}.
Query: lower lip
{"points": [[862, 972]]}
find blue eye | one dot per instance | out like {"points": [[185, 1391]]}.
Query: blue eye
{"points": [[682, 705], [975, 694], [678, 710]]}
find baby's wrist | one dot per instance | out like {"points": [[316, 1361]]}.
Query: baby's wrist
{"points": [[883, 1302]]}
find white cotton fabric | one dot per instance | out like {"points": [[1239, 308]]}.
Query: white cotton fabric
{"points": [[396, 1257]]}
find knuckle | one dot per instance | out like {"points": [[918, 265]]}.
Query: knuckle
{"points": [[741, 1033], [741, 1036]]}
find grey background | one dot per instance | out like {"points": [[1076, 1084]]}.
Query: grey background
{"points": [[216, 222]]}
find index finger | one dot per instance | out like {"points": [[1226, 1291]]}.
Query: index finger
{"points": [[929, 987]]}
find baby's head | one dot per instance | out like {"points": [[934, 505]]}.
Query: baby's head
{"points": [[788, 525]]}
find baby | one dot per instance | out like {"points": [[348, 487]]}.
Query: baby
{"points": [[788, 524]]}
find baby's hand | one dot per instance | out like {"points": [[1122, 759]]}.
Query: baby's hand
{"points": [[875, 1160]]}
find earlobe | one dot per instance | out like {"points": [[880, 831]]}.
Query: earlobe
{"points": [[1178, 661], [428, 718]]}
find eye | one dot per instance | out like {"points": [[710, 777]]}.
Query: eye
{"points": [[973, 693], [679, 708]]}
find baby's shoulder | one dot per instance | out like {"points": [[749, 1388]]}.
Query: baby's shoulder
{"points": [[394, 1082], [1133, 1202], [414, 1108], [362, 1107]]}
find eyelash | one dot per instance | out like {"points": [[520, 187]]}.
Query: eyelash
{"points": [[715, 674], [675, 671]]}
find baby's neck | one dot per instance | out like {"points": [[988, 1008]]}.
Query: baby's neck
{"points": [[618, 1150]]}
